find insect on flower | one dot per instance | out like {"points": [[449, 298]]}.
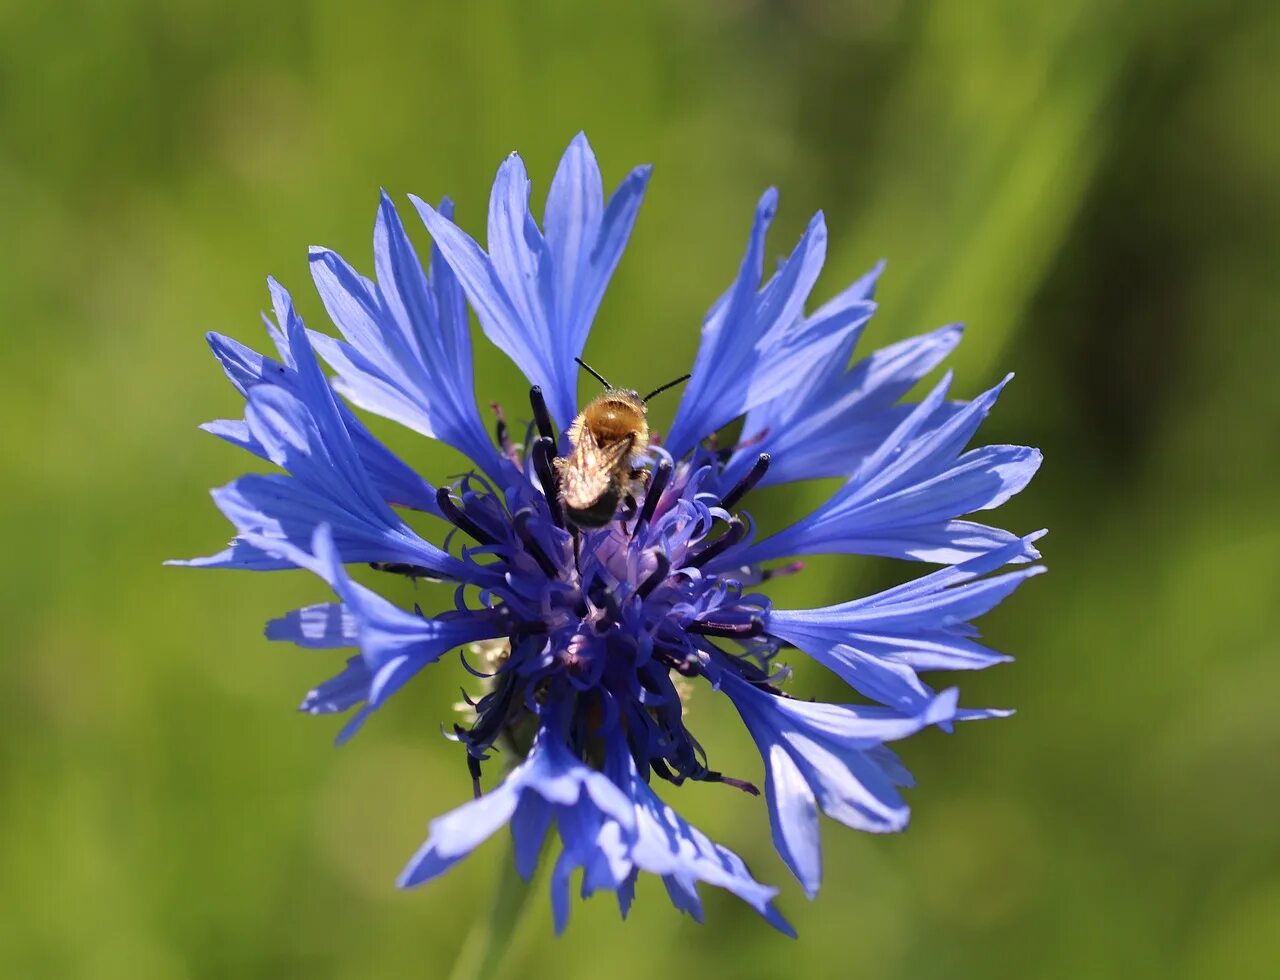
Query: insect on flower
{"points": [[597, 618], [608, 437]]}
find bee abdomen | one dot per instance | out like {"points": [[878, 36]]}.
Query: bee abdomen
{"points": [[597, 514]]}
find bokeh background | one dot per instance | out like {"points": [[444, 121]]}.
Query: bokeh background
{"points": [[1092, 186]]}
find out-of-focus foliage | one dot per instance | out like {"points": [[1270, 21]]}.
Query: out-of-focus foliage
{"points": [[1091, 185]]}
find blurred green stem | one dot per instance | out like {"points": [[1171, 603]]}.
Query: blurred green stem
{"points": [[487, 943]]}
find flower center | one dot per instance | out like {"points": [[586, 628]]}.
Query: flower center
{"points": [[615, 616]]}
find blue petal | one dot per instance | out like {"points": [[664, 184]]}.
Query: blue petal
{"points": [[394, 644], [824, 755], [656, 840], [928, 650], [300, 427], [756, 341], [793, 816], [586, 239], [408, 350], [339, 693], [321, 626], [829, 425], [871, 674], [549, 772], [877, 644], [529, 828], [300, 375], [902, 501], [387, 632], [610, 826], [858, 295], [666, 844], [457, 833], [325, 488], [595, 843], [535, 296], [243, 366]]}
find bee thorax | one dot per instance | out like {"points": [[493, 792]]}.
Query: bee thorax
{"points": [[606, 438]]}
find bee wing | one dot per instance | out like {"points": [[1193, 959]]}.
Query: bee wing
{"points": [[590, 468]]}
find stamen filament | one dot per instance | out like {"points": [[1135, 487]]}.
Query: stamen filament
{"points": [[458, 518], [543, 451], [404, 568], [541, 417], [747, 483], [656, 578], [736, 630], [531, 545], [661, 477], [737, 530]]}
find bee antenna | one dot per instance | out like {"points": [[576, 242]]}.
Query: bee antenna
{"points": [[593, 372], [662, 388]]}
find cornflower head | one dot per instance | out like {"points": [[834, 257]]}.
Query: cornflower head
{"points": [[601, 571]]}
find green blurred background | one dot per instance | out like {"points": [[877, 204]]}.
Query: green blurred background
{"points": [[1092, 186]]}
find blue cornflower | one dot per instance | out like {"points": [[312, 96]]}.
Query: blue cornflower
{"points": [[592, 634]]}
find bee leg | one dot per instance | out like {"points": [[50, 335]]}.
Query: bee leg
{"points": [[577, 549]]}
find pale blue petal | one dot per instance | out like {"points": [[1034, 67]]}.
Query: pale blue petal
{"points": [[827, 755], [407, 354], [536, 296], [904, 499], [829, 425], [322, 626]]}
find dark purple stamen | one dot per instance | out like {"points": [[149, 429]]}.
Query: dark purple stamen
{"points": [[541, 417], [531, 545], [656, 578], [473, 766], [612, 613], [543, 452], [403, 568], [493, 711], [754, 676], [602, 597], [689, 667], [455, 516], [661, 477], [737, 530], [664, 771], [745, 485], [736, 630]]}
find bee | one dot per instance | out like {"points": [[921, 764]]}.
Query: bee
{"points": [[608, 437]]}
